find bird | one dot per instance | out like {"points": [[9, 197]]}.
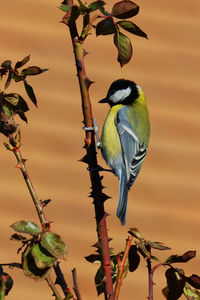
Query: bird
{"points": [[125, 136]]}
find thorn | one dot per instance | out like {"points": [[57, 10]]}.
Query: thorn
{"points": [[85, 52], [24, 160], [84, 159], [88, 82], [18, 166], [107, 214]]}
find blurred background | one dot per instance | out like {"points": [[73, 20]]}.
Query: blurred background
{"points": [[164, 202]]}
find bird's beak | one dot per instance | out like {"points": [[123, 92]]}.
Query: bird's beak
{"points": [[105, 100]]}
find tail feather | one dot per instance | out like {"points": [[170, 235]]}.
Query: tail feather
{"points": [[123, 199]]}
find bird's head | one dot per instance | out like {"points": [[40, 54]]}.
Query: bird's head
{"points": [[121, 91]]}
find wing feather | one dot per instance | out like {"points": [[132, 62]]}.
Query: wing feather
{"points": [[132, 151]]}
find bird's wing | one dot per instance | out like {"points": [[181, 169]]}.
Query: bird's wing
{"points": [[133, 153]]}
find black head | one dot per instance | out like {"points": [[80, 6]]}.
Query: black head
{"points": [[121, 91]]}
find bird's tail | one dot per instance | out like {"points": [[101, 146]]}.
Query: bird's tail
{"points": [[123, 199]]}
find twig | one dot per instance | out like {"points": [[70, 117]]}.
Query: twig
{"points": [[76, 288], [39, 208], [53, 288], [150, 276], [121, 265]]}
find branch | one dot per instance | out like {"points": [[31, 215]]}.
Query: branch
{"points": [[91, 159], [121, 266]]}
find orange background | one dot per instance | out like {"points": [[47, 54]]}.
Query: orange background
{"points": [[164, 202]]}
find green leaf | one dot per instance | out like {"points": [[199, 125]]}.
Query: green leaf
{"points": [[105, 27], [8, 81], [72, 15], [26, 227], [142, 248], [191, 293], [12, 98], [133, 258], [96, 5], [132, 28], [30, 268], [157, 245], [42, 257], [53, 244], [22, 62], [124, 48], [136, 233], [7, 111], [30, 92], [83, 7], [65, 7], [30, 71], [125, 9]]}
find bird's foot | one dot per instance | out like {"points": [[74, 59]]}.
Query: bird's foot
{"points": [[96, 131]]}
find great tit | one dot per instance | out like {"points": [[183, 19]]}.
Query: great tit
{"points": [[125, 136]]}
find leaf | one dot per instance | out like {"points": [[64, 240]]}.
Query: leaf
{"points": [[17, 139], [181, 258], [99, 281], [42, 257], [30, 92], [65, 7], [194, 281], [53, 244], [8, 81], [132, 28], [26, 227], [133, 258], [157, 245], [125, 9], [72, 15], [83, 7], [17, 237], [96, 5], [12, 98], [105, 27], [190, 293], [93, 258], [6, 64], [31, 71], [30, 268], [7, 281], [175, 285], [142, 248], [135, 232], [124, 48], [21, 63]]}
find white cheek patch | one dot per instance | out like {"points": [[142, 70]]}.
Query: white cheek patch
{"points": [[120, 95]]}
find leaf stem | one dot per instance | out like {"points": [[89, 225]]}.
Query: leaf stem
{"points": [[121, 265]]}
